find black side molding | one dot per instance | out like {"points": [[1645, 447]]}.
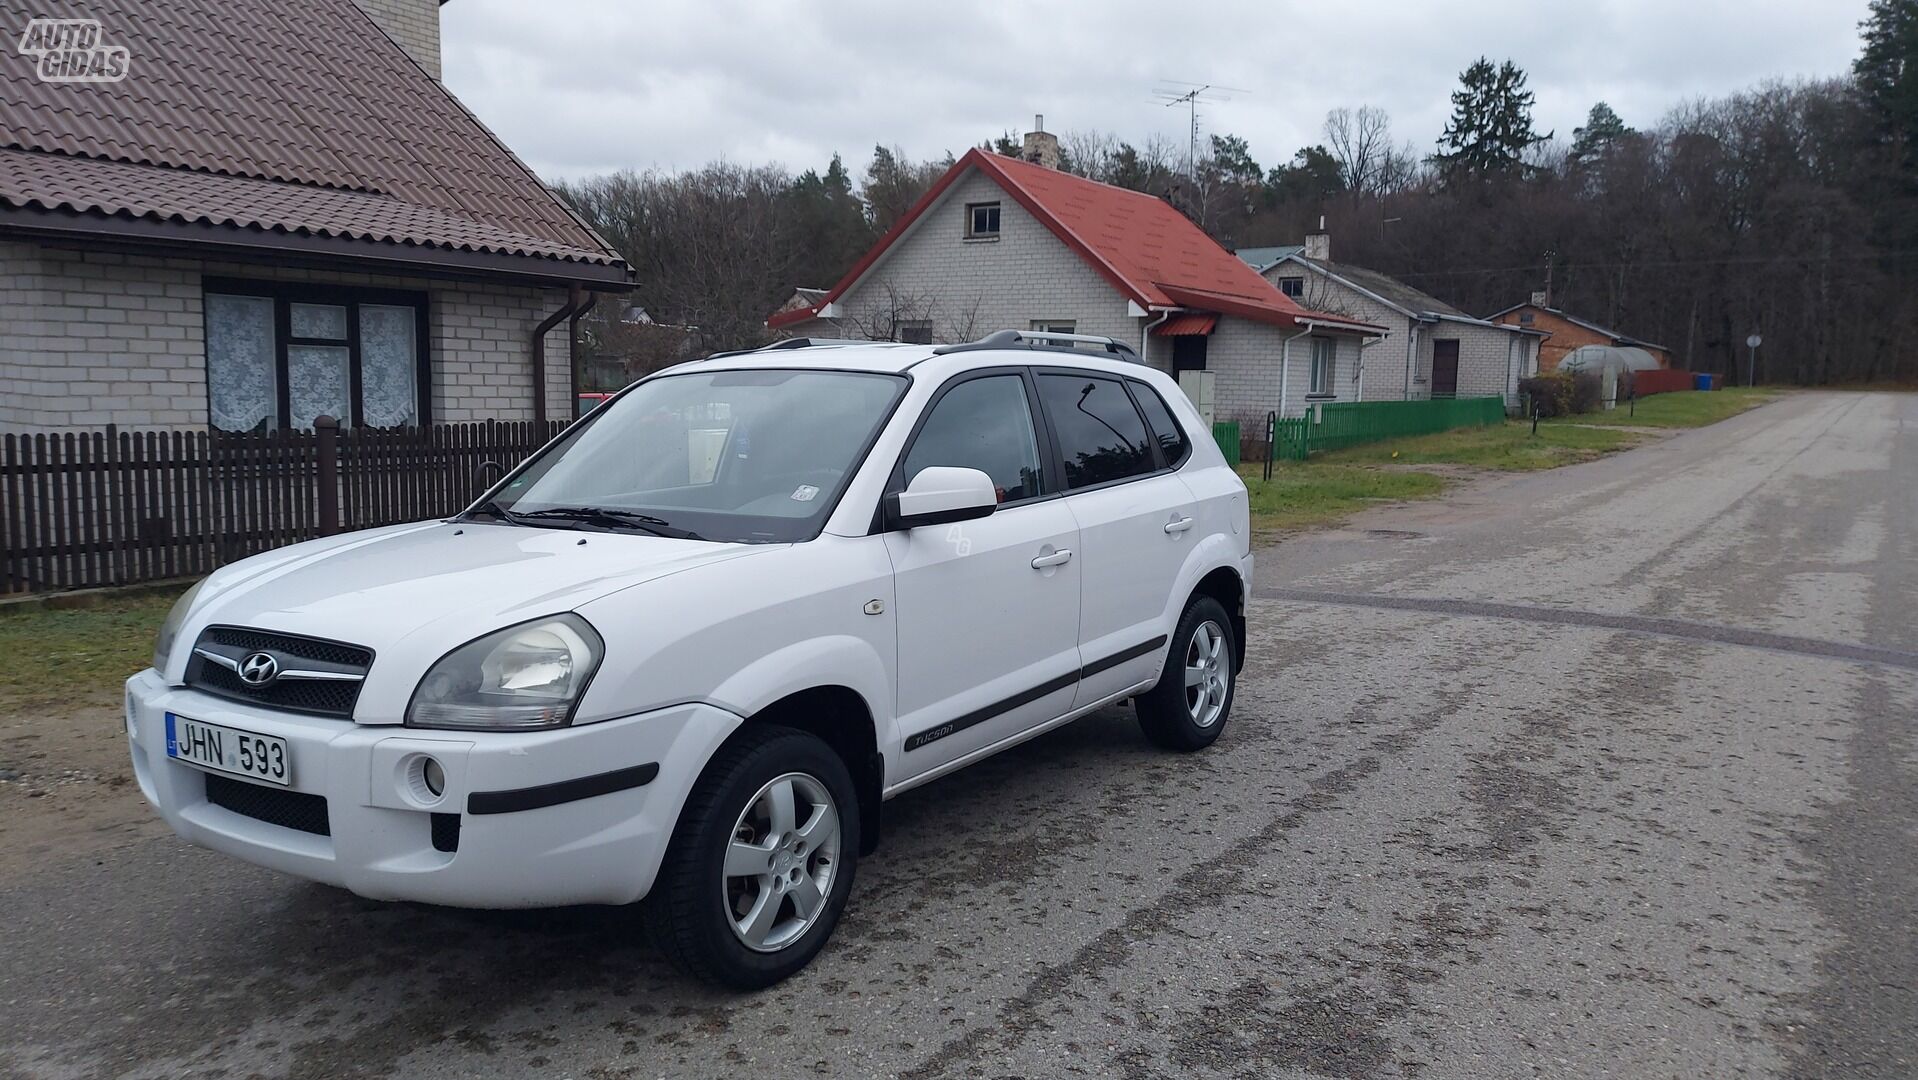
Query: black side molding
{"points": [[586, 787], [980, 716], [1121, 657]]}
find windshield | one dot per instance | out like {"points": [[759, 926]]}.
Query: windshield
{"points": [[749, 456]]}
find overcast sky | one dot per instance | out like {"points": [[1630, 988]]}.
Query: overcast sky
{"points": [[584, 86]]}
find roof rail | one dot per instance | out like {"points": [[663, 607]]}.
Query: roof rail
{"points": [[789, 343], [1042, 339]]}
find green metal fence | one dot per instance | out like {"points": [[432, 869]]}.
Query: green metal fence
{"points": [[1226, 434], [1336, 425]]}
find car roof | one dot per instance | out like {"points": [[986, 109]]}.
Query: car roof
{"points": [[895, 358]]}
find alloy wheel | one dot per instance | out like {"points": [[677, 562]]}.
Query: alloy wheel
{"points": [[1208, 674], [781, 862]]}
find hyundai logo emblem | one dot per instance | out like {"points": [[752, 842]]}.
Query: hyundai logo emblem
{"points": [[259, 669]]}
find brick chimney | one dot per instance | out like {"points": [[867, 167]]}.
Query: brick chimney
{"points": [[414, 24], [1042, 148]]}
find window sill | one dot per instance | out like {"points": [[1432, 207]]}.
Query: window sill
{"points": [[980, 240], [1321, 397]]}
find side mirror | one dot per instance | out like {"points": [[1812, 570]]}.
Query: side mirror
{"points": [[941, 494]]}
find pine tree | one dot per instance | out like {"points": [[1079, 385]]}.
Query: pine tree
{"points": [[1603, 127], [1887, 74], [1491, 124]]}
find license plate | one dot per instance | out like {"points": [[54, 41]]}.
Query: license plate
{"points": [[229, 750]]}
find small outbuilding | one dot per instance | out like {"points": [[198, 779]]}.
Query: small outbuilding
{"points": [[1613, 364]]}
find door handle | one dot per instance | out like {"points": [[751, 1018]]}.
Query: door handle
{"points": [[1178, 525], [1053, 559]]}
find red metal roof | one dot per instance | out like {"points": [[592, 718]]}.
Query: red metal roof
{"points": [[291, 118], [1186, 325], [1151, 253]]}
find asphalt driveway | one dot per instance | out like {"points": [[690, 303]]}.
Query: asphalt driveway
{"points": [[1607, 771]]}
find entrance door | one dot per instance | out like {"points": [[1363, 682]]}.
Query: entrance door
{"points": [[1188, 352], [1445, 367]]}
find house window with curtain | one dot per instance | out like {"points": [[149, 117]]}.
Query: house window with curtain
{"points": [[282, 354], [1324, 364]]}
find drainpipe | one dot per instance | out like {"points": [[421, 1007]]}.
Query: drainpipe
{"points": [[539, 351], [585, 305], [1285, 367], [1509, 392], [1411, 355], [1145, 339]]}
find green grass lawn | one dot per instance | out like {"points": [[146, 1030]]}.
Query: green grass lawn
{"points": [[1301, 494], [1684, 409], [77, 657], [1507, 447]]}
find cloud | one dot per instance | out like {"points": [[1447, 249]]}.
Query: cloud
{"points": [[585, 86]]}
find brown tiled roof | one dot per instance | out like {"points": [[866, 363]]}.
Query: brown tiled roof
{"points": [[291, 117]]}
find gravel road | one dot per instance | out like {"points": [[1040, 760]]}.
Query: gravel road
{"points": [[1606, 771]]}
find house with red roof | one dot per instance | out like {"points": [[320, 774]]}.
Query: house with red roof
{"points": [[999, 242], [236, 215]]}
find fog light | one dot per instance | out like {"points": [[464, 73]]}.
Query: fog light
{"points": [[435, 776]]}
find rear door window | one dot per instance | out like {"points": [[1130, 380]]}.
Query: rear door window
{"points": [[1102, 437]]}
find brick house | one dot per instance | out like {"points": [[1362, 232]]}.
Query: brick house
{"points": [[246, 234], [999, 242], [1436, 350], [1569, 332]]}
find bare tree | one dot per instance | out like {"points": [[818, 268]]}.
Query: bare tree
{"points": [[891, 311], [1361, 140]]}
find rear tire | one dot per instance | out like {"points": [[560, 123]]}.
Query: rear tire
{"points": [[1188, 708], [761, 861]]}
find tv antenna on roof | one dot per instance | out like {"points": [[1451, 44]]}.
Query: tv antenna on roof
{"points": [[1174, 92]]}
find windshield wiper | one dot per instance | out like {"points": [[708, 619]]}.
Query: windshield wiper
{"points": [[607, 518]]}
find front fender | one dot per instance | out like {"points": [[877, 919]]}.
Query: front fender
{"points": [[832, 660]]}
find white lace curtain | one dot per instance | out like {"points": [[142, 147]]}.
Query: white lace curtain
{"points": [[243, 375], [242, 392]]}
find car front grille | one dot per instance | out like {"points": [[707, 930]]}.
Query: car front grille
{"points": [[275, 806], [325, 697]]}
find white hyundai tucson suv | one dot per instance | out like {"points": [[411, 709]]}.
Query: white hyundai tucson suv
{"points": [[684, 652]]}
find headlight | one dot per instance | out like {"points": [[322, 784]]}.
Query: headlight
{"points": [[525, 676], [170, 629]]}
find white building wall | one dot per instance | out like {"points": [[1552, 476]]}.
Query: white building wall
{"points": [[1488, 360], [1384, 374], [1489, 364], [968, 288], [89, 338]]}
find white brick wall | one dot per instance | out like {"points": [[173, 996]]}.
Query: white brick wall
{"points": [[1483, 369], [92, 338], [970, 288], [414, 24]]}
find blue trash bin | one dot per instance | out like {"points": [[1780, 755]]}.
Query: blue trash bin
{"points": [[1702, 382]]}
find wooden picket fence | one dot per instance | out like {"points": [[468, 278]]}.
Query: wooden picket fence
{"points": [[111, 507]]}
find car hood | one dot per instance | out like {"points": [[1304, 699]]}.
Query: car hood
{"points": [[412, 592]]}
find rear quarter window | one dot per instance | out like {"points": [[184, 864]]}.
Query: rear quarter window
{"points": [[1165, 428]]}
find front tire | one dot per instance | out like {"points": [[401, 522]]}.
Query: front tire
{"points": [[1188, 708], [761, 861]]}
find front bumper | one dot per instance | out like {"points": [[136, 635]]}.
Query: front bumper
{"points": [[546, 834]]}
